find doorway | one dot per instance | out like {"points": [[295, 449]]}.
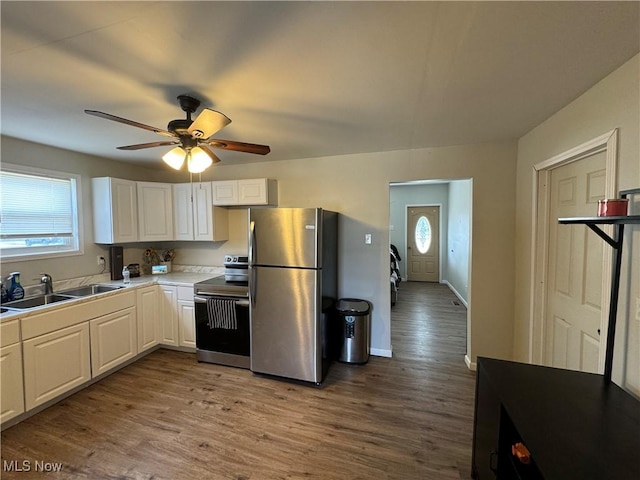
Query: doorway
{"points": [[423, 243], [572, 268], [453, 199]]}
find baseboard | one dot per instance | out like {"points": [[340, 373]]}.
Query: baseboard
{"points": [[470, 365], [379, 352], [455, 292]]}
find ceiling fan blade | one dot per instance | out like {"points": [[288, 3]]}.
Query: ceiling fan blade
{"points": [[140, 146], [239, 146], [210, 153], [108, 116], [207, 123]]}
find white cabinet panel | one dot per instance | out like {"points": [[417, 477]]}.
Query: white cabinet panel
{"points": [[115, 210], [12, 390], [113, 340], [169, 314], [225, 192], [186, 317], [250, 191], [147, 317], [195, 217], [55, 363], [155, 211], [187, 323], [182, 212]]}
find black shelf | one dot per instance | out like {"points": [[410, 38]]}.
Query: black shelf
{"points": [[616, 243]]}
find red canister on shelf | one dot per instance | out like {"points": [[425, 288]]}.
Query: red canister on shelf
{"points": [[615, 207]]}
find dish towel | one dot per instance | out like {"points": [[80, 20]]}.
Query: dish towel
{"points": [[222, 313]]}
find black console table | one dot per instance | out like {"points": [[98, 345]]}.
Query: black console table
{"points": [[574, 425]]}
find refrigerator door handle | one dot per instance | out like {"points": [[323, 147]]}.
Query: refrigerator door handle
{"points": [[252, 272]]}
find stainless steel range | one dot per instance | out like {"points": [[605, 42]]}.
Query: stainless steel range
{"points": [[222, 316]]}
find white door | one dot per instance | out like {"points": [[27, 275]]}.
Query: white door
{"points": [[12, 392], [575, 266], [168, 306], [55, 363], [125, 216], [186, 318], [423, 244], [148, 317], [155, 211], [113, 340], [182, 212], [202, 212]]}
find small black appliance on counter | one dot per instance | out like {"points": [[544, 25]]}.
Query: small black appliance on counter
{"points": [[116, 262], [134, 269]]}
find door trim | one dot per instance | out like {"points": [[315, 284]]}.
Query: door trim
{"points": [[440, 236], [607, 143]]}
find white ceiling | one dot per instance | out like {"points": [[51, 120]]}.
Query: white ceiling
{"points": [[309, 79]]}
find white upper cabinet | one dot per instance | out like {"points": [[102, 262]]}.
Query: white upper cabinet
{"points": [[225, 192], [115, 210], [182, 212], [195, 217], [253, 191], [155, 211]]}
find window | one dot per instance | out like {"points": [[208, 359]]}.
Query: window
{"points": [[38, 213], [423, 234]]}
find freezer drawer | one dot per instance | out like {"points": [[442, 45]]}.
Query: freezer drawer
{"points": [[285, 314]]}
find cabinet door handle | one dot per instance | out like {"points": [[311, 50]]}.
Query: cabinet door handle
{"points": [[493, 462]]}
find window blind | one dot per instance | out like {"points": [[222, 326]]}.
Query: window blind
{"points": [[35, 206]]}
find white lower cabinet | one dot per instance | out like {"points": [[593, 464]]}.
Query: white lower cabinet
{"points": [[148, 317], [169, 314], [113, 340], [55, 363], [12, 390], [186, 318], [177, 314]]}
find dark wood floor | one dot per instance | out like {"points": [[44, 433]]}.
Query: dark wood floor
{"points": [[168, 417]]}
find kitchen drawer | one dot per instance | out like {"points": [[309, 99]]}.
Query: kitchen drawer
{"points": [[185, 293], [53, 320], [9, 333]]}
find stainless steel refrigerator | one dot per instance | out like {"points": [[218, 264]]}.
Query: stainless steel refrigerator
{"points": [[292, 289]]}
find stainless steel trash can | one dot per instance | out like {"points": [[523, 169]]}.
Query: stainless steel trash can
{"points": [[355, 326]]}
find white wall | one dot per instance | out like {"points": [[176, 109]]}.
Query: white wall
{"points": [[459, 237], [612, 103]]}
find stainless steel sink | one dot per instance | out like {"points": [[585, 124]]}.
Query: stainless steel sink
{"points": [[38, 301], [90, 290]]}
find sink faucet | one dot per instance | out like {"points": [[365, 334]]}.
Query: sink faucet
{"points": [[48, 283]]}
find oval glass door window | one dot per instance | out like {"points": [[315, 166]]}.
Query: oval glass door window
{"points": [[423, 234]]}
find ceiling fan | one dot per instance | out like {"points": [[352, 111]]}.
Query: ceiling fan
{"points": [[193, 137]]}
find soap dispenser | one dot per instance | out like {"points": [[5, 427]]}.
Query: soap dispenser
{"points": [[16, 292]]}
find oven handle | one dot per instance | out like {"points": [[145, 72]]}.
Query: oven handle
{"points": [[240, 302]]}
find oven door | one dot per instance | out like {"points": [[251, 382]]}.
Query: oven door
{"points": [[227, 342]]}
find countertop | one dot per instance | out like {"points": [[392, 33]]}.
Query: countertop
{"points": [[181, 279]]}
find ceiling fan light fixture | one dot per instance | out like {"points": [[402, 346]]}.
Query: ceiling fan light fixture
{"points": [[175, 157], [198, 160]]}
